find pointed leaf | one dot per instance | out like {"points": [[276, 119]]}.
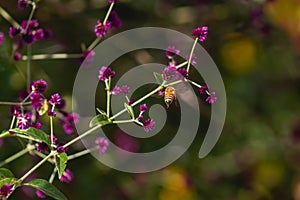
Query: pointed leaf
{"points": [[6, 173], [46, 188], [129, 110], [101, 119], [9, 181], [35, 134], [158, 78], [61, 163], [101, 111]]}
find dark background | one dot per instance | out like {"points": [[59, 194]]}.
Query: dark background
{"points": [[255, 44]]}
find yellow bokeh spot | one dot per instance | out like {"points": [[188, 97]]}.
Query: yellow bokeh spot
{"points": [[239, 54]]}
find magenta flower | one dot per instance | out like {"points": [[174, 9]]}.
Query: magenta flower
{"points": [[125, 89], [28, 38], [42, 147], [149, 125], [38, 34], [5, 190], [101, 29], [116, 90], [172, 64], [33, 24], [200, 33], [17, 56], [211, 98], [40, 194], [171, 51], [61, 149], [170, 73], [193, 61], [13, 32], [102, 144], [55, 99], [183, 72], [36, 125], [69, 121], [143, 108], [51, 113], [39, 86], [22, 4], [2, 38], [23, 121], [131, 101], [36, 101], [114, 20], [203, 89], [15, 110], [111, 1], [161, 93], [139, 118], [88, 56], [105, 73], [67, 176]]}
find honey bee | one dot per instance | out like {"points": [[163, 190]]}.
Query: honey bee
{"points": [[169, 96]]}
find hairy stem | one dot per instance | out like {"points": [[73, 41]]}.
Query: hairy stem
{"points": [[191, 55], [15, 156], [8, 18], [52, 56]]}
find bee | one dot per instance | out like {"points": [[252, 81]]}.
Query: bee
{"points": [[169, 95]]}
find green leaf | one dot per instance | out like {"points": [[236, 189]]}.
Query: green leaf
{"points": [[129, 110], [9, 181], [6, 173], [61, 163], [101, 119], [4, 134], [35, 134], [101, 111], [158, 78], [46, 188]]}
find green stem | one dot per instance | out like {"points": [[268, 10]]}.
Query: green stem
{"points": [[51, 179], [191, 54], [108, 12], [41, 155], [13, 103], [52, 56], [51, 127], [82, 136], [182, 64], [12, 122], [81, 153], [30, 16], [194, 83], [107, 84], [8, 18], [15, 156], [123, 121]]}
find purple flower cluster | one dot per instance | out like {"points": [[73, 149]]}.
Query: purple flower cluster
{"points": [[105, 73], [67, 176], [200, 33], [113, 21], [87, 56], [68, 121], [55, 99], [23, 120], [211, 96], [149, 125], [22, 4], [102, 144], [5, 190], [171, 51], [124, 89]]}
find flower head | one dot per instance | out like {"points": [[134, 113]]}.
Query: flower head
{"points": [[203, 89], [116, 90], [102, 144], [200, 33], [114, 20], [171, 51], [15, 110], [40, 194], [51, 113], [36, 101], [88, 56], [23, 121], [38, 34], [17, 56], [69, 121], [105, 73], [36, 125], [42, 147], [28, 38], [170, 73], [211, 98], [61, 149], [101, 29], [183, 72], [33, 24], [193, 61], [125, 89], [143, 108], [131, 101], [149, 125], [111, 1], [39, 86], [55, 99], [5, 190], [2, 38], [161, 93], [139, 118], [67, 176], [13, 32]]}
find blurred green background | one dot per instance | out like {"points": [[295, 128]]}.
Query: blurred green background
{"points": [[255, 44]]}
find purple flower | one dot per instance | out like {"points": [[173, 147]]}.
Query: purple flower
{"points": [[172, 65], [170, 73], [36, 101], [200, 33], [17, 56], [203, 89], [116, 90], [61, 105], [36, 125], [23, 121], [67, 176], [51, 113], [40, 194], [171, 51], [13, 32], [33, 24], [101, 29], [28, 38], [105, 73], [42, 147], [102, 144], [88, 56], [15, 110], [38, 34], [125, 89], [211, 98], [60, 148], [131, 101], [193, 61], [114, 20], [39, 86], [68, 122], [111, 1], [55, 99], [5, 190], [2, 38], [139, 118], [22, 4], [143, 108], [149, 125], [183, 72], [161, 93]]}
